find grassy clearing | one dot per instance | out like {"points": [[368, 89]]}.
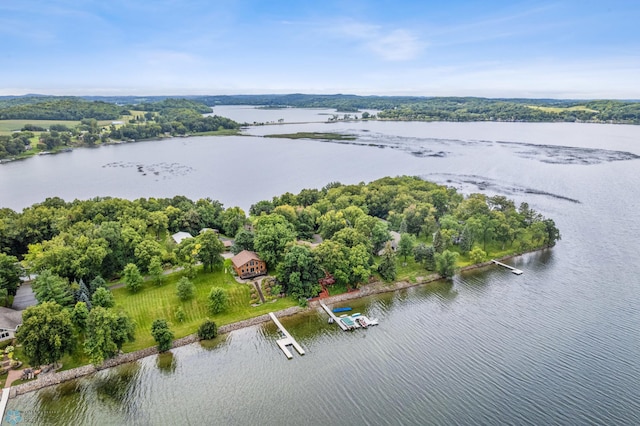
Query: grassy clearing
{"points": [[314, 135], [223, 132], [561, 109], [161, 302], [9, 126]]}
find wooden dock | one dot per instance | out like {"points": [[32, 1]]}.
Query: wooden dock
{"points": [[287, 340], [514, 270], [335, 318]]}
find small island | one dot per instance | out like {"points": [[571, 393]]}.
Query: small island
{"points": [[115, 274], [314, 135]]}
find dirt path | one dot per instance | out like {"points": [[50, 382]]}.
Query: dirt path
{"points": [[12, 376]]}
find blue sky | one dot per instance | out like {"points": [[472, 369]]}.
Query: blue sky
{"points": [[560, 49]]}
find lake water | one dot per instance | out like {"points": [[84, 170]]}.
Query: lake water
{"points": [[557, 345]]}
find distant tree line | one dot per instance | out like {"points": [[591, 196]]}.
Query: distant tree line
{"points": [[418, 108], [62, 109]]}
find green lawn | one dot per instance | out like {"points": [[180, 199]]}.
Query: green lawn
{"points": [[8, 126], [222, 132], [561, 109], [161, 302]]}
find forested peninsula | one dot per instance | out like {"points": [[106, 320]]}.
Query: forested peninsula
{"points": [[330, 240], [29, 126]]}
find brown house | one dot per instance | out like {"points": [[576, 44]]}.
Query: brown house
{"points": [[247, 264]]}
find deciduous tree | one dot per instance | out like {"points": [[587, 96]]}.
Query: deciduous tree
{"points": [[46, 333], [185, 289], [446, 263], [132, 278], [48, 287], [107, 331], [299, 272], [104, 298], [217, 300], [162, 334], [207, 330], [209, 250]]}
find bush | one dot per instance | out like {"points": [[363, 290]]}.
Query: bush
{"points": [[208, 330], [180, 315]]}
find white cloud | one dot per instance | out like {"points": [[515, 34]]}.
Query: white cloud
{"points": [[389, 45], [399, 45]]}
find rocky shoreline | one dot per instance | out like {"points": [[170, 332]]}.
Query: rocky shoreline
{"points": [[377, 287]]}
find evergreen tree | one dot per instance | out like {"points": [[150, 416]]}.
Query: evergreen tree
{"points": [[387, 266], [438, 242]]}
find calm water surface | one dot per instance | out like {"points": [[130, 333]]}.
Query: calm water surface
{"points": [[557, 345]]}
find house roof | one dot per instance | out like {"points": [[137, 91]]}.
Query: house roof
{"points": [[10, 319], [179, 236], [243, 257]]}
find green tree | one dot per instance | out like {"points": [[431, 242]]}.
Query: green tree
{"points": [[477, 255], [243, 241], [185, 289], [180, 315], [10, 272], [466, 240], [552, 234], [208, 330], [79, 316], [209, 250], [162, 334], [107, 331], [446, 263], [104, 298], [232, 220], [420, 252], [334, 259], [299, 271], [217, 300], [387, 266], [155, 271], [96, 283], [145, 251], [132, 278], [46, 333], [272, 235], [405, 246], [331, 222], [360, 262], [430, 258], [48, 287], [438, 242]]}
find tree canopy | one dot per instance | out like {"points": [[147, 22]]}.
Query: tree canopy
{"points": [[46, 333]]}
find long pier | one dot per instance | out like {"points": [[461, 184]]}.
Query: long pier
{"points": [[335, 318], [287, 340], [514, 270]]}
